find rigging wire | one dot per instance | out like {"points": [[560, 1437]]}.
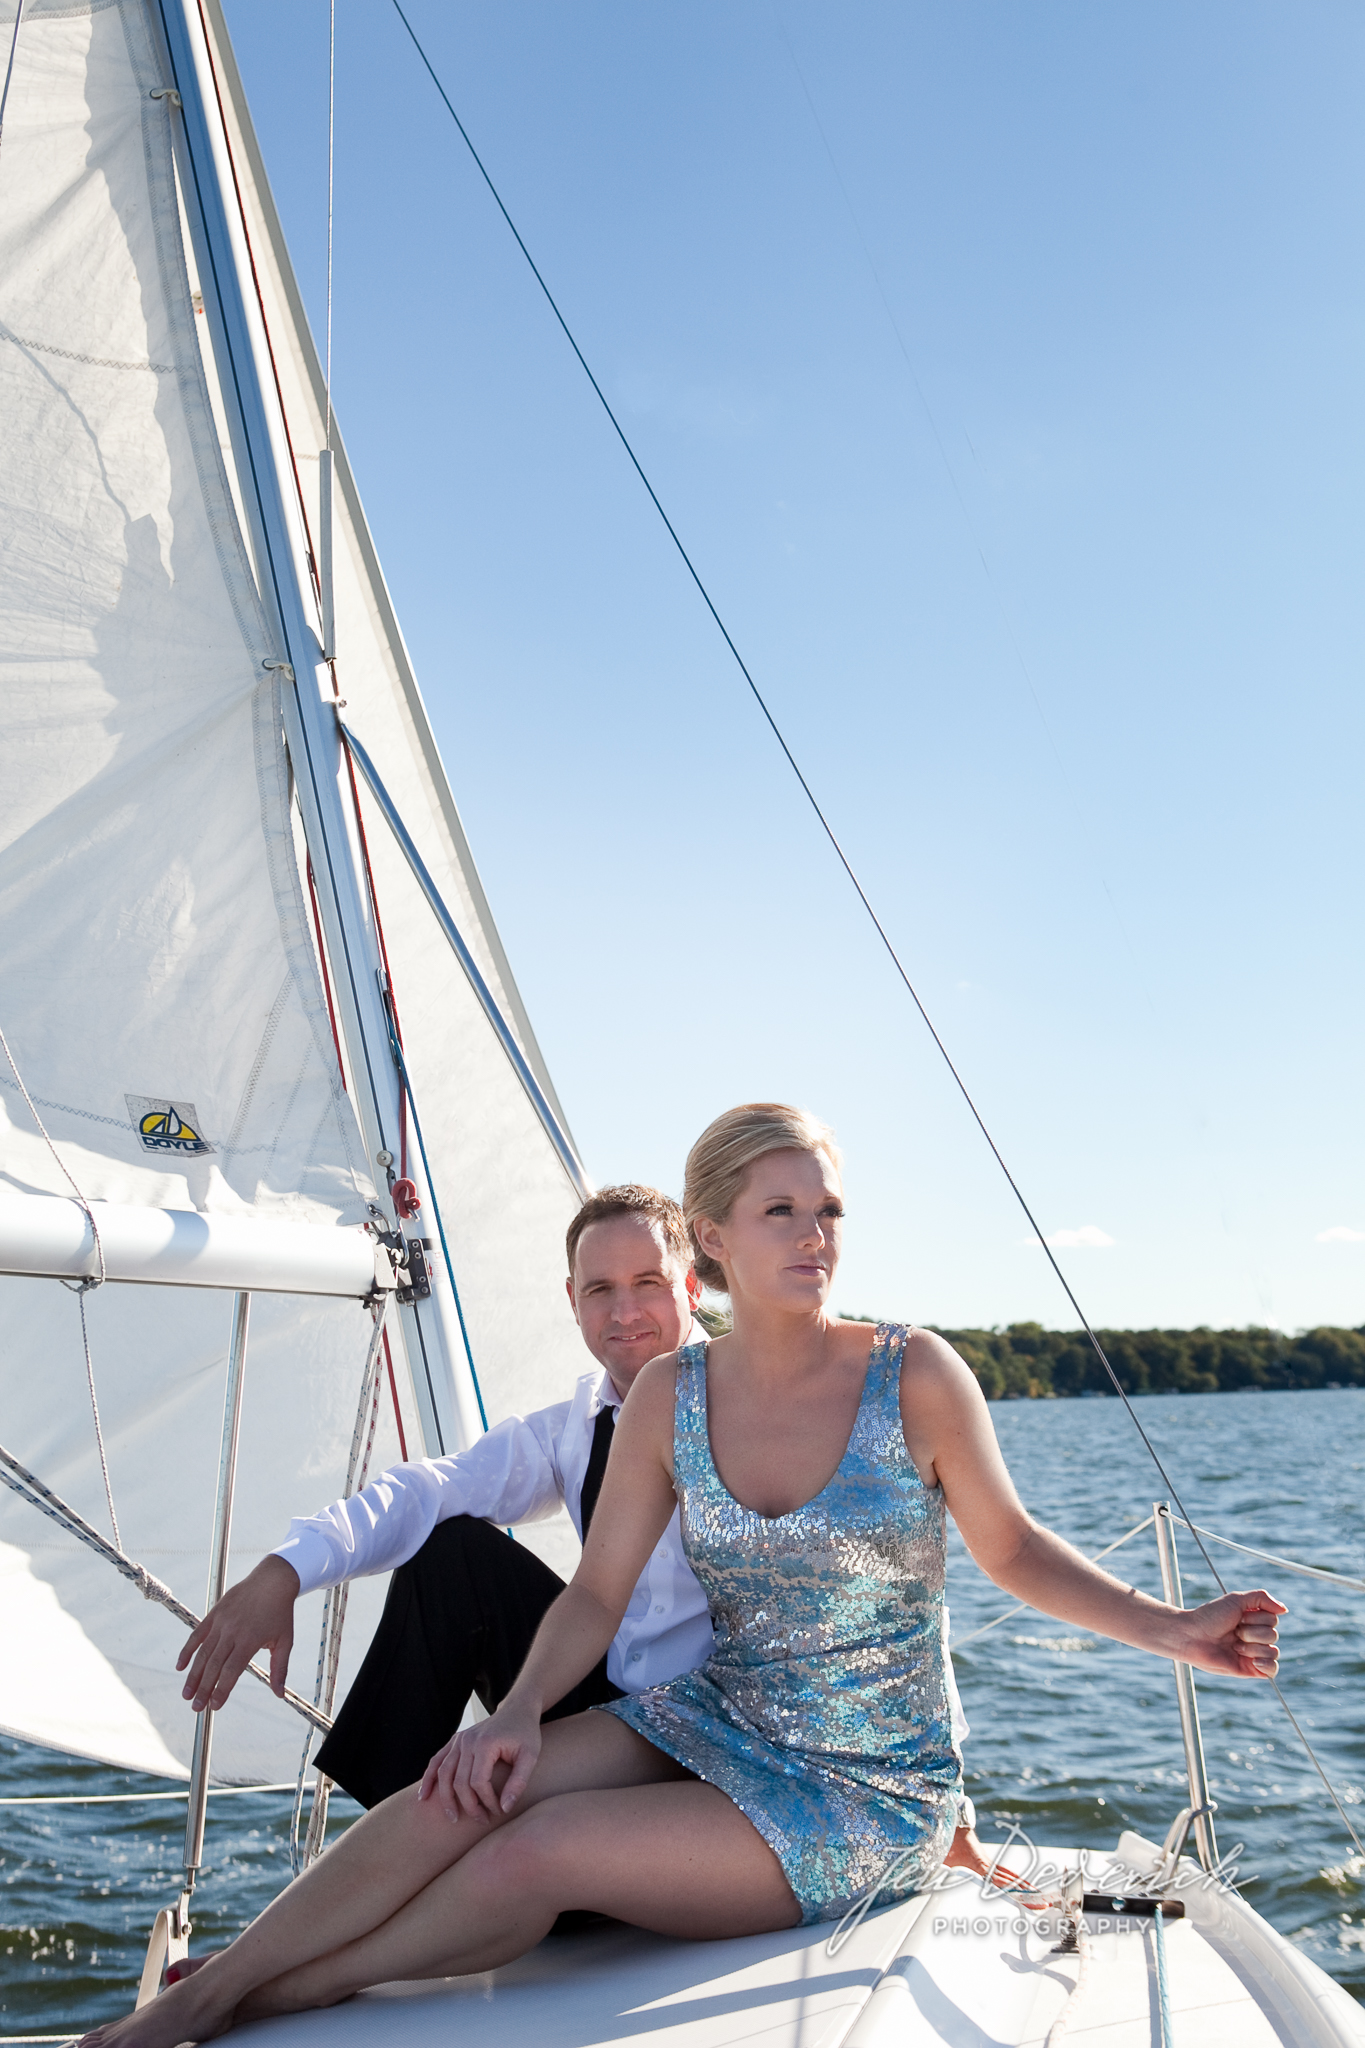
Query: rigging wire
{"points": [[851, 873], [134, 1799], [809, 793]]}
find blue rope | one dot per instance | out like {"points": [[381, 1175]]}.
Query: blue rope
{"points": [[402, 1066], [1163, 1995]]}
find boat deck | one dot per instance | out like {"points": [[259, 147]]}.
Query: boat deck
{"points": [[947, 1970]]}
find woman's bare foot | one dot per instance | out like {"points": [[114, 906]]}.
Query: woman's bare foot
{"points": [[967, 1853], [185, 2011]]}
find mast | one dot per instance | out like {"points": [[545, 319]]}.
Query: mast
{"points": [[440, 1372]]}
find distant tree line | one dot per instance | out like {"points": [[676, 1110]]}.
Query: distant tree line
{"points": [[1026, 1361]]}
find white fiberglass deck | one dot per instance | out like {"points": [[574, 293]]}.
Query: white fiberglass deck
{"points": [[950, 1970]]}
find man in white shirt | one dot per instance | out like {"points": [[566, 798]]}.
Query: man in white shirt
{"points": [[465, 1599]]}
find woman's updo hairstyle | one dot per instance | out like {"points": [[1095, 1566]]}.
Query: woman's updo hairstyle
{"points": [[725, 1151]]}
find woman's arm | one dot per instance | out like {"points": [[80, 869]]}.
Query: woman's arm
{"points": [[949, 1433], [632, 1512]]}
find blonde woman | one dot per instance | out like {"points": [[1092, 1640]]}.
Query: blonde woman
{"points": [[808, 1764]]}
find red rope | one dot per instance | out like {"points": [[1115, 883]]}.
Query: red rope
{"points": [[397, 1411], [322, 963]]}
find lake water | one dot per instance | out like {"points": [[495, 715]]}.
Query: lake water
{"points": [[1073, 1738]]}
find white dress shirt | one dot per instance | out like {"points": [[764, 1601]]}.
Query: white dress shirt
{"points": [[518, 1472]]}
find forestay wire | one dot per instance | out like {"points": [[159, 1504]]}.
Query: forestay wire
{"points": [[809, 793], [849, 870]]}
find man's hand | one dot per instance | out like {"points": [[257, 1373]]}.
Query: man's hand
{"points": [[256, 1614]]}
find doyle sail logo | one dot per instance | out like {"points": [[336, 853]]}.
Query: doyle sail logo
{"points": [[167, 1126]]}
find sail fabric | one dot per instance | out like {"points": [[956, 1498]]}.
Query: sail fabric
{"points": [[160, 992], [161, 989]]}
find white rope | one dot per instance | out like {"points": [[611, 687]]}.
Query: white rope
{"points": [[1023, 1606], [79, 1287], [1064, 2018], [334, 1608], [1285, 1564], [31, 1489]]}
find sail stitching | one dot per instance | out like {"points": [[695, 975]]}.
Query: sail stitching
{"points": [[49, 348]]}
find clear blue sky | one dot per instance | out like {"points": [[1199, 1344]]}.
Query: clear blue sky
{"points": [[1002, 367]]}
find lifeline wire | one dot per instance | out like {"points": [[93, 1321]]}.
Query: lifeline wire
{"points": [[1022, 1608], [843, 858]]}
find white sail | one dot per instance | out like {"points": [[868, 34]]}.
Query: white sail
{"points": [[162, 985]]}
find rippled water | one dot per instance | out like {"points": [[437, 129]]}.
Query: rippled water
{"points": [[1072, 1738]]}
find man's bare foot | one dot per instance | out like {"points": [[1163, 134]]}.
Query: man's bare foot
{"points": [[967, 1853], [186, 2011]]}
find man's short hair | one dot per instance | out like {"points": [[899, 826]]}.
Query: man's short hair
{"points": [[630, 1200]]}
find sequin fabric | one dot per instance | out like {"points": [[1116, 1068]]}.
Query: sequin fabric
{"points": [[823, 1710]]}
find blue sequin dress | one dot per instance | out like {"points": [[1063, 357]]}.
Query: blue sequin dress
{"points": [[823, 1710]]}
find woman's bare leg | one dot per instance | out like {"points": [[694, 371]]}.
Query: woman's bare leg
{"points": [[678, 1858], [387, 1858]]}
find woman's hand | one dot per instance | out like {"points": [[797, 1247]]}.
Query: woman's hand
{"points": [[462, 1774], [1235, 1634]]}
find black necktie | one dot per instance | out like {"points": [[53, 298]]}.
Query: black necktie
{"points": [[597, 1464]]}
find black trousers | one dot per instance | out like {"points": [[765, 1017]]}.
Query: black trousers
{"points": [[458, 1619]]}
